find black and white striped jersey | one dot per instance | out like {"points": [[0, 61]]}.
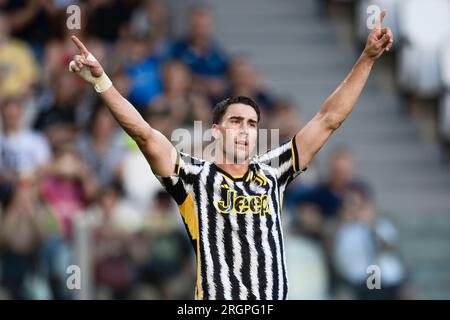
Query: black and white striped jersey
{"points": [[234, 223]]}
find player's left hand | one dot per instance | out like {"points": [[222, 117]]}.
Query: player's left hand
{"points": [[379, 39]]}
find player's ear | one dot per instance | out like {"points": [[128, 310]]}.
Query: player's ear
{"points": [[215, 132]]}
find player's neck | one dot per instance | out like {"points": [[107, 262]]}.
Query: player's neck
{"points": [[234, 169]]}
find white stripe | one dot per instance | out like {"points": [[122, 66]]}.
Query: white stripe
{"points": [[209, 267], [272, 154], [224, 269], [283, 255], [191, 168], [283, 168], [237, 256], [174, 179]]}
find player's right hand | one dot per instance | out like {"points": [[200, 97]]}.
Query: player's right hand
{"points": [[85, 64]]}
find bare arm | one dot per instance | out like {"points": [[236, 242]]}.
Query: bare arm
{"points": [[340, 103], [157, 149]]}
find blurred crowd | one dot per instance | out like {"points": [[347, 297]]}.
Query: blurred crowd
{"points": [[64, 159]]}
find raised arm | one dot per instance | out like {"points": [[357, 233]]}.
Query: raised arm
{"points": [[157, 149], [340, 103]]}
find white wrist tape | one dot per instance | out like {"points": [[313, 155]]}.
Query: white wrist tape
{"points": [[100, 84]]}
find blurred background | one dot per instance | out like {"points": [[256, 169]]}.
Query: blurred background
{"points": [[75, 190]]}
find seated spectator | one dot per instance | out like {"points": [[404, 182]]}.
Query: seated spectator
{"points": [[199, 51], [67, 186], [244, 81], [151, 19], [329, 195], [22, 151], [18, 69], [144, 71], [62, 109], [102, 146], [178, 106]]}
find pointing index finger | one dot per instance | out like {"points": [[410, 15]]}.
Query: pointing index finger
{"points": [[80, 46], [380, 19]]}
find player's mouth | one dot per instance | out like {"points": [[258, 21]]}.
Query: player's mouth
{"points": [[242, 143]]}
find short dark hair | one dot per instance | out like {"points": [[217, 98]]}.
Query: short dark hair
{"points": [[221, 107]]}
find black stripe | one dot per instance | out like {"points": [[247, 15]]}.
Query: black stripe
{"points": [[219, 169], [260, 258], [177, 192], [286, 177], [262, 276], [212, 234], [297, 158], [286, 155], [271, 226], [228, 245]]}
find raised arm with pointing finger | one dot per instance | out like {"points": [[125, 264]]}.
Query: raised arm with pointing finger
{"points": [[340, 103], [158, 150]]}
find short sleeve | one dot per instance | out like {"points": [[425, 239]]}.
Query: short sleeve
{"points": [[284, 161], [180, 183]]}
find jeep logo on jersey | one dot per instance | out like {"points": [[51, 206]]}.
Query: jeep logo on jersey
{"points": [[242, 204]]}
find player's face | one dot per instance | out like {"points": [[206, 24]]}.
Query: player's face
{"points": [[238, 132]]}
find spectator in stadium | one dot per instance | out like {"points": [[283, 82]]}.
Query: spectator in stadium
{"points": [[245, 81], [18, 68], [31, 20], [143, 67], [285, 118], [329, 195], [179, 105], [151, 19], [102, 146], [202, 54], [67, 186], [21, 234], [363, 239], [22, 151], [62, 108]]}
